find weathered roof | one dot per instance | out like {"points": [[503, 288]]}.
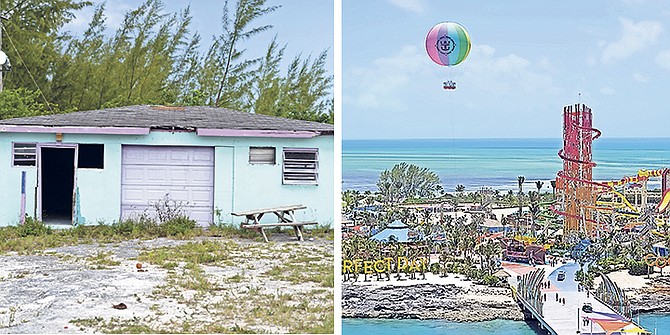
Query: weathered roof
{"points": [[179, 118]]}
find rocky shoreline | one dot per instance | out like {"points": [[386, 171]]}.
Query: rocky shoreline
{"points": [[429, 301], [653, 298], [467, 304]]}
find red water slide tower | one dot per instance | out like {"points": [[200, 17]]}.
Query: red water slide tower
{"points": [[575, 181]]}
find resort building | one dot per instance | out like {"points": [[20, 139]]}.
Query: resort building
{"points": [[102, 166], [397, 231]]}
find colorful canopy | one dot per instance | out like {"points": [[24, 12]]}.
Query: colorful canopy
{"points": [[448, 43], [635, 329], [400, 232], [611, 326]]}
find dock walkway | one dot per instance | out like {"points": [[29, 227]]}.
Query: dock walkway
{"points": [[568, 318]]}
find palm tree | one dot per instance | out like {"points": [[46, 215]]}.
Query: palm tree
{"points": [[534, 208], [509, 197], [460, 188], [553, 188], [520, 180], [488, 252], [539, 184]]}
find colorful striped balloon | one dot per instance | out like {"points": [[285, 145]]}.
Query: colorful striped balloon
{"points": [[448, 43]]}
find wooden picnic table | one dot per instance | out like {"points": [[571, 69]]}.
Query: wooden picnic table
{"points": [[285, 217]]}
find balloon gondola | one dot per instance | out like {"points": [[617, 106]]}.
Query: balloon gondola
{"points": [[448, 44]]}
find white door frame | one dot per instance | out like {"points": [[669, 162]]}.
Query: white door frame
{"points": [[74, 146]]}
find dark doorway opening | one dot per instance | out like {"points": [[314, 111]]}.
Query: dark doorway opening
{"points": [[57, 167]]}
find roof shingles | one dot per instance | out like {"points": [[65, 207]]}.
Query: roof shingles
{"points": [[182, 118]]}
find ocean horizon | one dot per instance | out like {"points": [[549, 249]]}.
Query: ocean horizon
{"points": [[495, 162]]}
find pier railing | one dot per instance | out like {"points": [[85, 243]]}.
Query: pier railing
{"points": [[528, 290], [611, 295]]}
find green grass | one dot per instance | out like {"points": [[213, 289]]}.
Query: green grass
{"points": [[282, 309], [101, 261], [35, 236], [321, 231], [301, 268], [119, 326], [205, 252], [244, 299], [195, 278], [238, 278], [231, 230], [236, 296]]}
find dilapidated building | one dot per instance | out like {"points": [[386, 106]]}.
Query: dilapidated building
{"points": [[105, 165]]}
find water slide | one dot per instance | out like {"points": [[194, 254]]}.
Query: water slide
{"points": [[665, 201], [610, 187], [642, 175], [623, 198]]}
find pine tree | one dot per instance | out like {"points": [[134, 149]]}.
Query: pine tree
{"points": [[226, 77], [32, 40]]}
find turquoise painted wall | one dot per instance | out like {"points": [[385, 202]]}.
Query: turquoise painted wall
{"points": [[10, 178], [238, 185]]}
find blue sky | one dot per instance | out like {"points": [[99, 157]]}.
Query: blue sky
{"points": [[305, 26], [528, 60]]}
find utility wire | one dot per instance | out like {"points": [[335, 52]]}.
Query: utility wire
{"points": [[27, 69]]}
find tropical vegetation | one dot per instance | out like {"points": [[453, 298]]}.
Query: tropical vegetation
{"points": [[154, 57]]}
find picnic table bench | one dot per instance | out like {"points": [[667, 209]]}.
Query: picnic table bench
{"points": [[285, 217]]}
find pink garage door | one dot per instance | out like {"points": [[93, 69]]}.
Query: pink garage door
{"points": [[185, 174]]}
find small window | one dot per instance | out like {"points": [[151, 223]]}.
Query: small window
{"points": [[262, 155], [301, 166], [91, 156], [24, 154]]}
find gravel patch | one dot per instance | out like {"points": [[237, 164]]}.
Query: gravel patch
{"points": [[46, 291]]}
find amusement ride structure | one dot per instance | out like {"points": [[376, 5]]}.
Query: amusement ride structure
{"points": [[587, 204]]}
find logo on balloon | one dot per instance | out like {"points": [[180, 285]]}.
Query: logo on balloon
{"points": [[445, 44]]}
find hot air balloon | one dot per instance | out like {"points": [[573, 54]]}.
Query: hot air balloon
{"points": [[448, 44]]}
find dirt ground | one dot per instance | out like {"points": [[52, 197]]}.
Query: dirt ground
{"points": [[205, 285]]}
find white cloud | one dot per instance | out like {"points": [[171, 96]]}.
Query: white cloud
{"points": [[411, 5], [379, 85], [507, 74], [634, 37], [115, 11], [639, 77], [80, 21], [607, 91], [545, 64], [663, 59], [394, 82]]}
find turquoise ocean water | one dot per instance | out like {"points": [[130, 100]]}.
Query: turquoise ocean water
{"points": [[494, 162], [658, 322]]}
